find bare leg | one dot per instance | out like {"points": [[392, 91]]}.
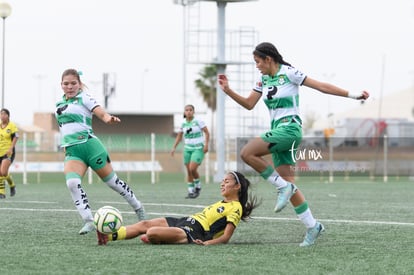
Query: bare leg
{"points": [[193, 166], [253, 152], [166, 235], [136, 229]]}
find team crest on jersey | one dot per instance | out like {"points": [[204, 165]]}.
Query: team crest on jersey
{"points": [[281, 79], [220, 209]]}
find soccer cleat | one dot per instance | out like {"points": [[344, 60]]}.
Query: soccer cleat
{"points": [[2, 196], [197, 191], [312, 234], [192, 195], [141, 213], [102, 238], [145, 239], [283, 196], [12, 191], [87, 227]]}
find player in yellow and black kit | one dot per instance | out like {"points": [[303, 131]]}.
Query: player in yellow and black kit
{"points": [[214, 225], [8, 138]]}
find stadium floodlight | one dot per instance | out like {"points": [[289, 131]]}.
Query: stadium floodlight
{"points": [[5, 11]]}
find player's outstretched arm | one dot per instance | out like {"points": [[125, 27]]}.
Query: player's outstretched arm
{"points": [[246, 102], [104, 116], [328, 88]]}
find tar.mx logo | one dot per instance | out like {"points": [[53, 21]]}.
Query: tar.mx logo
{"points": [[305, 153]]}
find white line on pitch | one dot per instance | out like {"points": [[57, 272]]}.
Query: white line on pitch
{"points": [[254, 218]]}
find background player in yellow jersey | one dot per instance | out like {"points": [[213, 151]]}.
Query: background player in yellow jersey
{"points": [[214, 225], [8, 139]]}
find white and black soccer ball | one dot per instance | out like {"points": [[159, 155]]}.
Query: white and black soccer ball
{"points": [[108, 219]]}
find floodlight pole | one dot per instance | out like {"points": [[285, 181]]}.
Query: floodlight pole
{"points": [[5, 11], [220, 108]]}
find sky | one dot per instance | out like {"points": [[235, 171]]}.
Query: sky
{"points": [[357, 45]]}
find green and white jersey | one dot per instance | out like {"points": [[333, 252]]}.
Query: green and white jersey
{"points": [[74, 117], [280, 92], [193, 133]]}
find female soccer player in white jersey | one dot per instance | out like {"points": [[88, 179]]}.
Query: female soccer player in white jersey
{"points": [[214, 225], [196, 139], [83, 149], [279, 89]]}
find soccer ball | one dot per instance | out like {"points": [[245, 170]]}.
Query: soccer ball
{"points": [[107, 219]]}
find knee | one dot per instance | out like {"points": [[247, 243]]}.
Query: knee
{"points": [[193, 168], [245, 155], [152, 235]]}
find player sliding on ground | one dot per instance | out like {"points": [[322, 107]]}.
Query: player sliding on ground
{"points": [[214, 225]]}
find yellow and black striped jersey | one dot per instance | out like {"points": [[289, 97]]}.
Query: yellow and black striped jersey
{"points": [[6, 137], [215, 217]]}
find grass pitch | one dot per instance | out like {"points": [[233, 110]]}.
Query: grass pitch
{"points": [[369, 230]]}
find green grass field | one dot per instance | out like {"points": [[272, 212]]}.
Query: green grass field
{"points": [[369, 230]]}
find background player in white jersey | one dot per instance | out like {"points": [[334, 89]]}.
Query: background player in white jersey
{"points": [[8, 139], [214, 225], [279, 89], [83, 149], [196, 138]]}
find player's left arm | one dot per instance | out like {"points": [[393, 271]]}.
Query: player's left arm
{"points": [[207, 139], [15, 137], [223, 239], [104, 116], [328, 88]]}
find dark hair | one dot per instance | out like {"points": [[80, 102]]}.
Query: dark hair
{"points": [[247, 200], [188, 105], [75, 73], [6, 111], [268, 49]]}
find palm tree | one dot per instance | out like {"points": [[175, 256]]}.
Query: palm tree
{"points": [[207, 87]]}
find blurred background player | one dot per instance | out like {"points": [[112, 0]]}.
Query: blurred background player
{"points": [[83, 149], [8, 139], [214, 225], [196, 138], [278, 86]]}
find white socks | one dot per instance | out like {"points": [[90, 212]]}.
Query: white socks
{"points": [[123, 189], [307, 218], [79, 198], [277, 180]]}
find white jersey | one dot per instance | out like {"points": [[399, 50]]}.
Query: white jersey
{"points": [[74, 117], [193, 133], [280, 92]]}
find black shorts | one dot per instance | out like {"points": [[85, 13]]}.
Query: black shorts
{"points": [[11, 158], [191, 227]]}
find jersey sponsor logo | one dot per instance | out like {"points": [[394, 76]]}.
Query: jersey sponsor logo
{"points": [[220, 209], [60, 110], [271, 91]]}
